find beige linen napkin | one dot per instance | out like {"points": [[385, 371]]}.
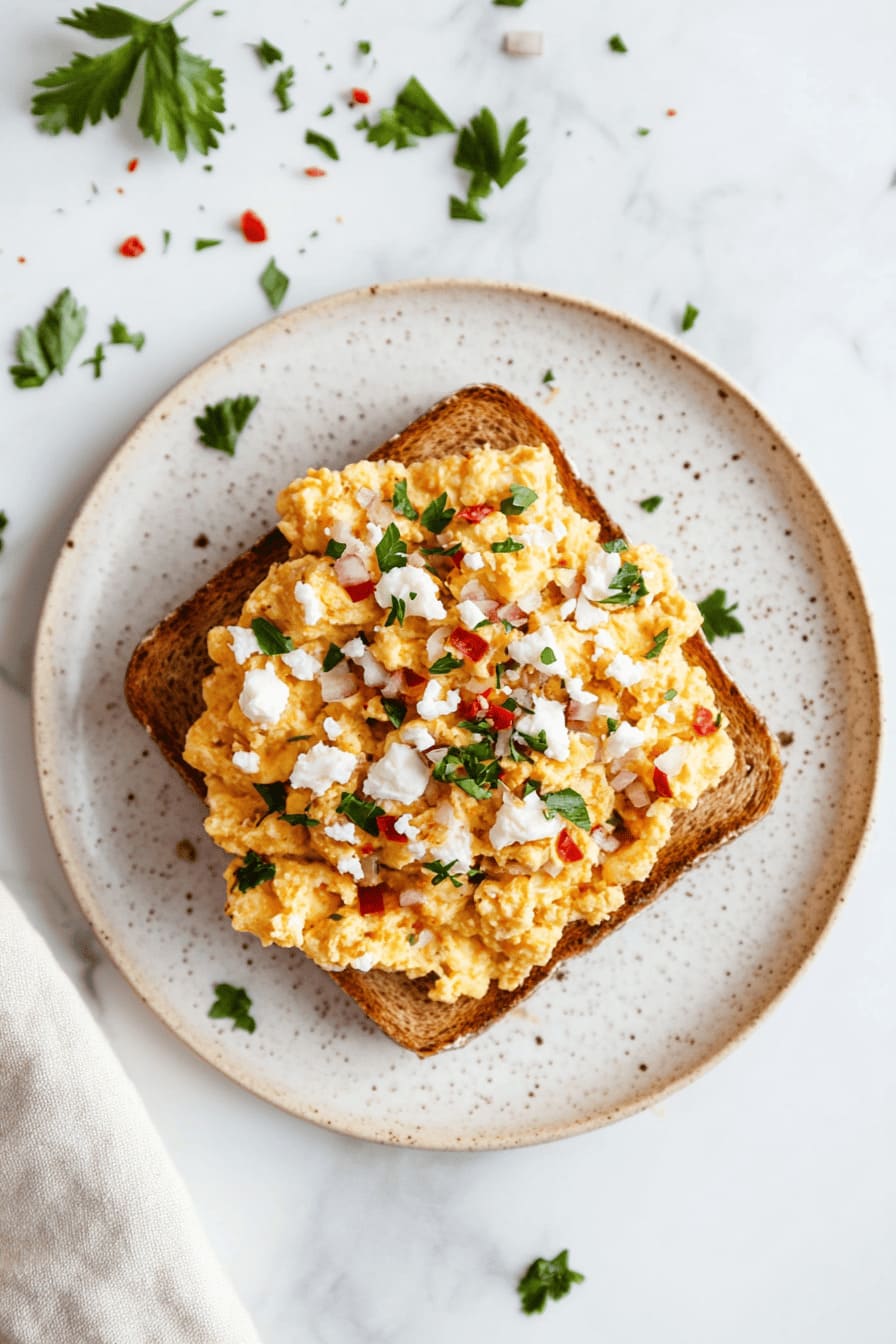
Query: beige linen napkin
{"points": [[99, 1243]]}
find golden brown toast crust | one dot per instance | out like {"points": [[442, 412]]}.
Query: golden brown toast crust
{"points": [[163, 686]]}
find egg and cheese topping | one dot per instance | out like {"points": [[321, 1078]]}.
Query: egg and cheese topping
{"points": [[454, 720]]}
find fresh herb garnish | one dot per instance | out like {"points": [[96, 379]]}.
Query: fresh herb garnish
{"points": [[689, 317], [442, 871], [397, 611], [49, 346], [364, 47], [651, 503], [332, 657], [396, 711], [441, 550], [274, 283], [323, 143], [447, 663], [271, 640], [546, 1279], [96, 360], [614, 821], [628, 585], [615, 43], [282, 85], [202, 244], [334, 549], [254, 870], [221, 425], [615, 546], [4, 523], [506, 546], [537, 741], [510, 4], [659, 643], [718, 618], [273, 796], [547, 656], [643, 130], [298, 819], [119, 335], [570, 805], [476, 875], [327, 111], [415, 116], [520, 498], [391, 550], [436, 516], [479, 152], [166, 239], [231, 1001], [612, 725], [400, 502], [472, 768], [267, 53], [670, 694], [182, 93], [362, 813], [548, 376], [531, 786]]}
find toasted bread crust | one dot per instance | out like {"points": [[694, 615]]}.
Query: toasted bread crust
{"points": [[163, 687]]}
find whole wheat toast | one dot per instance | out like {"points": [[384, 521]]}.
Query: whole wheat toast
{"points": [[163, 686]]}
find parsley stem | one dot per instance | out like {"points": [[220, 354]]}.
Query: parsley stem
{"points": [[188, 4]]}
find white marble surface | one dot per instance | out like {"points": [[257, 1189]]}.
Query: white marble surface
{"points": [[760, 1201]]}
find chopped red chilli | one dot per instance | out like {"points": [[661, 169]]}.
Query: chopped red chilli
{"points": [[704, 722], [370, 900], [386, 827], [474, 513], [360, 96], [499, 716], [567, 848], [661, 783], [132, 247], [315, 172], [358, 591], [253, 227], [133, 165], [472, 646]]}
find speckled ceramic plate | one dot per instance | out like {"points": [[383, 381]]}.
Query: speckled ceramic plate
{"points": [[670, 992]]}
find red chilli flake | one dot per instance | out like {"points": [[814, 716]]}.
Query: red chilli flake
{"points": [[133, 165], [671, 112], [386, 828], [315, 172], [132, 247], [370, 900], [472, 646], [360, 96], [474, 513], [705, 722], [253, 227], [358, 591], [567, 848], [499, 717], [661, 783]]}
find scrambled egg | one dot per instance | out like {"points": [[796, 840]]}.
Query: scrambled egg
{"points": [[456, 719]]}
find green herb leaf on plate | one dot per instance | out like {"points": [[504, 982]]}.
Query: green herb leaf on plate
{"points": [[221, 425], [415, 116], [719, 620], [231, 1001], [651, 503]]}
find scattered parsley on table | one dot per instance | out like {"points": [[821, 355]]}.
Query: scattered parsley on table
{"points": [[49, 346], [689, 317], [546, 1279], [480, 153], [274, 283]]}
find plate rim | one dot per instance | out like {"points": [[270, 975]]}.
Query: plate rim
{"points": [[148, 991]]}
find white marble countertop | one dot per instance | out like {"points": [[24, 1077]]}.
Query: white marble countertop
{"points": [[758, 1203]]}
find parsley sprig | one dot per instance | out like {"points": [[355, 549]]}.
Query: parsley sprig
{"points": [[49, 346], [718, 617], [480, 152], [546, 1279], [627, 587], [232, 1001], [415, 116], [221, 425]]}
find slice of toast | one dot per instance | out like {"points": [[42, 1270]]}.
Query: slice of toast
{"points": [[163, 687]]}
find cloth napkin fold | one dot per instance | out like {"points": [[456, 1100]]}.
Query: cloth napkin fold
{"points": [[99, 1243]]}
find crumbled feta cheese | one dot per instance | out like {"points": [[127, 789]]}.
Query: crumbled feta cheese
{"points": [[374, 672], [517, 822], [399, 776], [333, 728], [425, 936], [624, 740], [588, 616], [343, 533], [350, 864], [536, 537], [473, 560], [608, 709], [625, 670], [418, 736], [412, 896], [672, 760], [548, 716], [666, 712], [341, 830], [605, 639], [529, 648], [529, 602], [303, 666], [404, 825], [458, 843], [394, 684], [567, 608], [432, 706], [600, 567], [337, 684], [567, 580], [322, 766], [264, 696], [310, 603], [247, 761], [559, 529], [470, 615], [242, 642], [578, 693], [401, 583], [365, 963], [374, 534]]}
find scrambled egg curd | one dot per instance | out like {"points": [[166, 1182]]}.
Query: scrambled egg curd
{"points": [[456, 719]]}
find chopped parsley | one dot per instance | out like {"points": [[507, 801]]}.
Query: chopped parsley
{"points": [[436, 516], [119, 335], [612, 725], [253, 871], [689, 317], [618, 544], [651, 503], [615, 43], [396, 711], [221, 425], [334, 549], [531, 786], [415, 116], [182, 93], [391, 550], [4, 523], [298, 819], [628, 587], [719, 620], [547, 656], [537, 741], [49, 346], [96, 360], [570, 805], [282, 85], [166, 239], [267, 53], [400, 502], [510, 4], [505, 547], [659, 643], [396, 614], [480, 153], [362, 813], [323, 143], [520, 498], [274, 283], [202, 244], [447, 663], [273, 796], [614, 821], [643, 130], [231, 1001], [473, 768], [548, 376], [327, 111], [441, 550], [332, 657], [670, 694], [546, 1279], [442, 871], [271, 640], [364, 47]]}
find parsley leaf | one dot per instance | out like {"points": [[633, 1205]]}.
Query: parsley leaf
{"points": [[447, 663], [397, 611], [442, 871], [396, 710], [48, 347], [505, 547], [267, 53], [612, 725], [400, 502], [414, 116], [436, 516], [96, 359], [363, 814], [222, 424], [182, 93], [254, 870], [659, 643], [298, 819], [479, 152], [570, 805], [615, 43], [334, 549], [273, 796], [271, 640], [472, 768], [391, 550], [4, 523], [689, 317], [651, 503], [274, 283], [364, 47], [323, 143], [119, 335], [510, 4], [546, 1279], [548, 376], [618, 544], [670, 694], [203, 244], [230, 1001], [718, 618], [520, 498], [547, 656], [537, 741], [628, 587], [332, 658], [282, 85]]}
